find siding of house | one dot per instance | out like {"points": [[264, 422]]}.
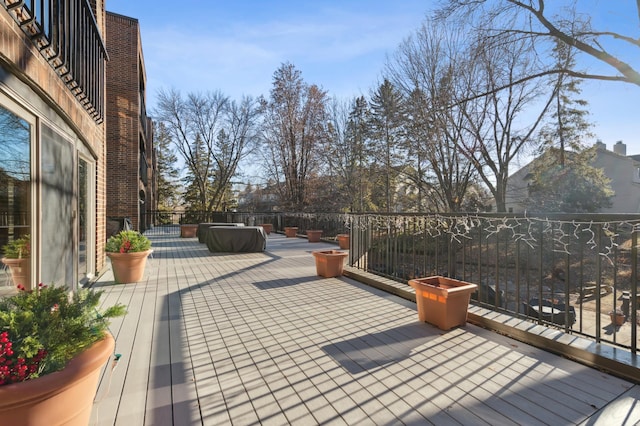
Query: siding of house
{"points": [[621, 169]]}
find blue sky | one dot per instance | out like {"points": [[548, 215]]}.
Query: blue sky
{"points": [[340, 45]]}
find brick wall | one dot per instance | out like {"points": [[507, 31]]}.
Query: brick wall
{"points": [[19, 56], [123, 117]]}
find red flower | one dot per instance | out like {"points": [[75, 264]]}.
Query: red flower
{"points": [[16, 369]]}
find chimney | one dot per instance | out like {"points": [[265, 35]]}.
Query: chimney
{"points": [[600, 145], [620, 148]]}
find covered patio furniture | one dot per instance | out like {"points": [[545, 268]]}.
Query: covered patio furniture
{"points": [[206, 225], [231, 239]]}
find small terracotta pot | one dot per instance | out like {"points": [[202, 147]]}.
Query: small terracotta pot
{"points": [[267, 228], [617, 319], [20, 271], [343, 241], [314, 235], [128, 267], [61, 398], [188, 231], [291, 231]]}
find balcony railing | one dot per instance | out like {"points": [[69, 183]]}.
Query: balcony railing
{"points": [[579, 267], [66, 34]]}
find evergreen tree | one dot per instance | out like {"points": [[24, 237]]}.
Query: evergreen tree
{"points": [[564, 179], [569, 126], [197, 180], [573, 187], [385, 126], [357, 135], [167, 174]]}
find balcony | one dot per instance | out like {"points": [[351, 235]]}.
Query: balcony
{"points": [[66, 34], [257, 338]]}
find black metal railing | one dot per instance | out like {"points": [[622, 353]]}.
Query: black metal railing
{"points": [[565, 271], [568, 271], [67, 35], [167, 222]]}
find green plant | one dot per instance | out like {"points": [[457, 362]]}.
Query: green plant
{"points": [[43, 329], [127, 242], [18, 248]]}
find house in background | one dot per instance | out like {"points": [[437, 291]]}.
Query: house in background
{"points": [[52, 134], [622, 170], [129, 132]]}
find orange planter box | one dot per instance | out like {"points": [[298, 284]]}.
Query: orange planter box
{"points": [[314, 235], [290, 231], [188, 231], [267, 228], [343, 241], [329, 263], [442, 301]]}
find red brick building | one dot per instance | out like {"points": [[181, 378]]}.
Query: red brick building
{"points": [[52, 135], [129, 132]]}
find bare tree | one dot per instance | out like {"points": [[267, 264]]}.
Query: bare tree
{"points": [[212, 135], [543, 22], [425, 67], [293, 130], [502, 122]]}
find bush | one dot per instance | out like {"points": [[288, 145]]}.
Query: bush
{"points": [[127, 242]]}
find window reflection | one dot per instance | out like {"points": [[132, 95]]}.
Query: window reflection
{"points": [[15, 176]]}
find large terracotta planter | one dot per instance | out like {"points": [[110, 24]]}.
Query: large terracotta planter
{"points": [[343, 241], [129, 267], [20, 271], [442, 301], [313, 235], [329, 263], [61, 398], [291, 231], [188, 230], [267, 228]]}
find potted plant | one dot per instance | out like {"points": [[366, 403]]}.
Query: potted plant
{"points": [[343, 241], [617, 317], [267, 228], [442, 301], [329, 263], [313, 235], [17, 256], [128, 251], [53, 346], [188, 230], [290, 231]]}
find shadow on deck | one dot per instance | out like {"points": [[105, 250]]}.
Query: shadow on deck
{"points": [[258, 338]]}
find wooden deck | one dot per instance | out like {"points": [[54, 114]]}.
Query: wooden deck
{"points": [[258, 338]]}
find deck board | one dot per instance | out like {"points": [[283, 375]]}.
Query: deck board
{"points": [[258, 338]]}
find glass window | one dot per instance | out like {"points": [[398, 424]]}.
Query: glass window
{"points": [[57, 171], [15, 176]]}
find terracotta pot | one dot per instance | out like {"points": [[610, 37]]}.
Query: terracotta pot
{"points": [[267, 228], [20, 271], [329, 263], [343, 241], [313, 235], [64, 397], [617, 319], [291, 231], [442, 301], [128, 267], [188, 231]]}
